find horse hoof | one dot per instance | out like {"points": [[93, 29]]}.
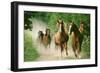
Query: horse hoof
{"points": [[75, 55], [67, 54]]}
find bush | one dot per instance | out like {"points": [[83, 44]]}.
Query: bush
{"points": [[86, 46], [30, 53]]}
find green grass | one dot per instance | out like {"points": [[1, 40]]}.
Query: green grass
{"points": [[86, 47], [30, 53]]}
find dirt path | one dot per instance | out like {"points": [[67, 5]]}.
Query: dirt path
{"points": [[53, 53]]}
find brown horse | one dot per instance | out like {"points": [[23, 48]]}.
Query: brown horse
{"points": [[47, 38], [61, 37], [44, 39], [77, 38]]}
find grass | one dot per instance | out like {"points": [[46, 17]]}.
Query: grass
{"points": [[30, 53], [86, 47]]}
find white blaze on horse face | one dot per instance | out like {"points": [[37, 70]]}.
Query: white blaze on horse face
{"points": [[59, 30], [69, 29]]}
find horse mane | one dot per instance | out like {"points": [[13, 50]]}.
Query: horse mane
{"points": [[62, 28], [76, 30], [47, 32], [40, 35]]}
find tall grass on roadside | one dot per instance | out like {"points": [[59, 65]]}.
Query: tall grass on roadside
{"points": [[30, 53], [86, 47]]}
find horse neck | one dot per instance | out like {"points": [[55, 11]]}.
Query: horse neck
{"points": [[61, 29], [47, 34], [76, 32]]}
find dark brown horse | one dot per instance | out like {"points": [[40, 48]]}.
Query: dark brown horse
{"points": [[61, 37], [77, 38], [40, 36]]}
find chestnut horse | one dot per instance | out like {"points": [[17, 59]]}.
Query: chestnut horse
{"points": [[61, 37], [77, 38]]}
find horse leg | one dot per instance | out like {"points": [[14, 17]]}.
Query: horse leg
{"points": [[79, 51], [74, 49], [61, 49], [56, 46], [49, 45], [75, 53], [66, 49]]}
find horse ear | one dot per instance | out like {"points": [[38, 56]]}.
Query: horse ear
{"points": [[73, 22], [62, 22], [81, 23], [57, 20]]}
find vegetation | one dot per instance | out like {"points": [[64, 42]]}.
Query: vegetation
{"points": [[86, 47], [30, 52]]}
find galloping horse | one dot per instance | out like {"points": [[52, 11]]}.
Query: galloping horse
{"points": [[77, 38], [61, 37], [47, 38], [44, 39], [40, 36]]}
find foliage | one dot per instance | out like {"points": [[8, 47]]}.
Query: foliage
{"points": [[86, 47], [27, 22], [30, 52]]}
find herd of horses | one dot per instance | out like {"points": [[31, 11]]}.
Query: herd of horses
{"points": [[62, 35]]}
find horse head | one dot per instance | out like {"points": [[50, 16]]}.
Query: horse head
{"points": [[81, 28], [61, 26], [71, 27], [40, 34], [47, 31]]}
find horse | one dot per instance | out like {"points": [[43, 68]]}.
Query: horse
{"points": [[77, 38], [40, 36], [47, 38], [61, 37], [81, 27], [44, 39]]}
